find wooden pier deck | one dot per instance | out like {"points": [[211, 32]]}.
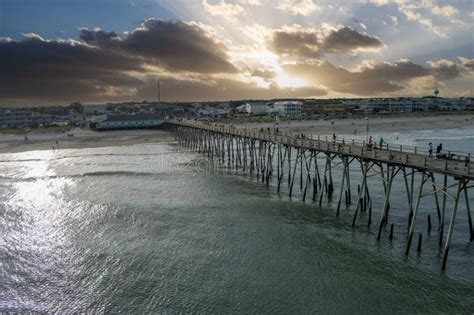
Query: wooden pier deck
{"points": [[407, 156]]}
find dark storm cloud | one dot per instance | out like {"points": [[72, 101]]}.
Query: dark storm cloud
{"points": [[99, 69], [222, 89], [264, 74], [176, 46], [312, 44], [98, 37], [298, 43], [346, 38], [179, 46], [369, 80], [37, 69], [39, 58], [468, 63], [444, 70]]}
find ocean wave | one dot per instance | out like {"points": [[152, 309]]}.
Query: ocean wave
{"points": [[25, 160], [116, 173], [88, 174], [86, 156]]}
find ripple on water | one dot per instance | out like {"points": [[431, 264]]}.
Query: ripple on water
{"points": [[148, 228]]}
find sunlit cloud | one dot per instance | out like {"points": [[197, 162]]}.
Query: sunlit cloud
{"points": [[285, 80], [298, 7], [230, 49], [223, 9]]}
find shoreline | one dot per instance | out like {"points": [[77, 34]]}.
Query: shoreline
{"points": [[376, 124], [85, 138]]}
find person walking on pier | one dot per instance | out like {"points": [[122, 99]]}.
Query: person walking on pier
{"points": [[430, 149], [439, 148], [381, 142]]}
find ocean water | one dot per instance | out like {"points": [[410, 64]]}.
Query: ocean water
{"points": [[153, 228], [454, 139]]}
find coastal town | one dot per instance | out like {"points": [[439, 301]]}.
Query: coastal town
{"points": [[147, 114]]}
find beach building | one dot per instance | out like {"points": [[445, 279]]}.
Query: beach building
{"points": [[41, 120], [23, 119], [467, 103], [15, 119], [314, 106], [242, 109], [94, 110], [212, 112], [257, 108], [254, 108], [140, 121], [287, 108], [409, 104]]}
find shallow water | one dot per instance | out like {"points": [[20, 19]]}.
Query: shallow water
{"points": [[152, 228]]}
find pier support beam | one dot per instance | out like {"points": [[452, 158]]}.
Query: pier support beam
{"points": [[344, 178], [461, 186], [365, 168], [424, 178], [443, 210], [469, 218], [388, 188]]}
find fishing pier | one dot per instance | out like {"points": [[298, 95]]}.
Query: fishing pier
{"points": [[284, 159]]}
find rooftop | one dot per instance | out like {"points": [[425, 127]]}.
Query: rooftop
{"points": [[131, 117]]}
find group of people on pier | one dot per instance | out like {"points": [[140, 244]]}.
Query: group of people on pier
{"points": [[371, 144], [439, 148]]}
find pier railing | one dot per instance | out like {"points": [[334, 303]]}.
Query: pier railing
{"points": [[450, 162]]}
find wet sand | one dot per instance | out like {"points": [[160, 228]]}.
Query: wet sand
{"points": [[83, 138]]}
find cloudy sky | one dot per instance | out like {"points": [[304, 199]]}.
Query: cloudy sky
{"points": [[59, 51]]}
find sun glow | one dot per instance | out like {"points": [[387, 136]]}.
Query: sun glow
{"points": [[289, 82]]}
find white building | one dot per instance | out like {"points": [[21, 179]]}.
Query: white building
{"points": [[258, 108], [129, 122], [242, 109], [287, 108], [254, 108]]}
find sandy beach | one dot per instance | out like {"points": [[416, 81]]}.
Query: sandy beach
{"points": [[84, 138], [376, 124]]}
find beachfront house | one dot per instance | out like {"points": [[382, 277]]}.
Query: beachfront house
{"points": [[316, 106], [258, 108], [95, 110], [254, 108], [23, 119], [287, 108], [15, 119], [139, 121]]}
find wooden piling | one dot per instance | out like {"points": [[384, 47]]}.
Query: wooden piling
{"points": [[420, 238]]}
